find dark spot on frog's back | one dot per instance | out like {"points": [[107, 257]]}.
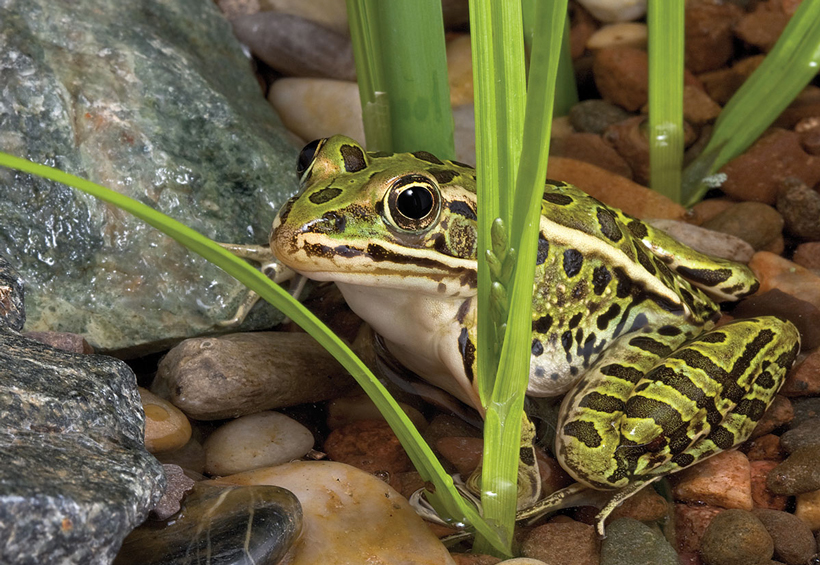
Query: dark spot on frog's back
{"points": [[462, 209], [638, 229], [428, 157], [557, 198], [706, 277], [543, 250], [325, 195], [573, 261], [609, 227], [467, 349], [442, 176], [585, 432], [353, 157]]}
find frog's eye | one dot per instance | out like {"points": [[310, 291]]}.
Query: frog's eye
{"points": [[307, 155], [413, 203]]}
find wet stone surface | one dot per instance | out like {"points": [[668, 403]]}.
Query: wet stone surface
{"points": [[219, 525]]}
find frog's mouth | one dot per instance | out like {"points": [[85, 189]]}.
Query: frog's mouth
{"points": [[381, 264]]}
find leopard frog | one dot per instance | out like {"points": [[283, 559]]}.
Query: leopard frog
{"points": [[622, 315]]}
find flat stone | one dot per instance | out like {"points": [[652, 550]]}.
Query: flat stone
{"points": [[230, 525], [167, 111], [214, 378], [264, 439], [76, 477], [335, 496], [631, 542]]}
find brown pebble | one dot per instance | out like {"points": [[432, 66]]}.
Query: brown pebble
{"points": [[804, 379], [794, 543], [800, 207], [722, 480], [775, 272], [766, 448], [568, 543], [756, 174], [709, 41], [463, 452], [808, 255], [621, 74], [74, 343], [369, 445], [762, 497], [698, 107], [799, 473], [736, 537], [754, 222], [691, 520], [780, 412], [178, 484], [722, 84], [166, 427], [770, 301], [591, 148], [646, 505], [763, 26]]}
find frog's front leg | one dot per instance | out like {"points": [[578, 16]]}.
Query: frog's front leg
{"points": [[269, 266], [662, 408]]}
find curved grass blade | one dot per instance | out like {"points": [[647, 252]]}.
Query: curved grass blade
{"points": [[445, 498], [787, 69]]}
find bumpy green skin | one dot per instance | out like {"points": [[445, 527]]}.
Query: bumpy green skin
{"points": [[616, 305]]}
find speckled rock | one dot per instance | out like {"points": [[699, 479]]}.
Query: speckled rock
{"points": [[594, 116], [295, 46], [753, 222], [707, 241], [563, 542], [799, 473], [805, 409], [722, 480], [756, 174], [166, 427], [228, 524], [804, 379], [736, 537], [264, 439], [793, 541], [157, 100], [804, 435], [800, 207], [630, 542], [313, 108], [214, 378], [75, 477], [387, 530]]}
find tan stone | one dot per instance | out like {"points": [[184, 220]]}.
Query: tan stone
{"points": [[698, 107], [614, 190], [349, 516], [460, 70], [166, 427], [623, 34], [808, 509], [709, 41], [723, 480]]}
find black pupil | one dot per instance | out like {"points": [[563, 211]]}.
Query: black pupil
{"points": [[415, 203], [306, 156]]}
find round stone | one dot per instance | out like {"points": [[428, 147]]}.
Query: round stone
{"points": [[166, 427], [259, 440], [736, 537]]}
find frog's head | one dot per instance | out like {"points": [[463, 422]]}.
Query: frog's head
{"points": [[406, 221]]}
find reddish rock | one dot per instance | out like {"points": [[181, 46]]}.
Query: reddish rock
{"points": [[698, 107], [709, 41], [74, 343], [463, 452], [808, 255], [763, 26], [754, 222], [369, 445], [780, 412], [630, 142], [804, 107], [690, 523], [582, 27], [775, 272], [757, 174], [810, 140], [804, 379], [564, 543], [621, 74], [646, 505], [590, 148], [762, 497], [764, 448], [722, 84], [553, 476], [723, 480], [705, 210]]}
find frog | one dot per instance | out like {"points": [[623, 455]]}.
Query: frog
{"points": [[623, 316]]}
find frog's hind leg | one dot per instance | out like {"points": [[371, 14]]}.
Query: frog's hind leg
{"points": [[269, 266]]}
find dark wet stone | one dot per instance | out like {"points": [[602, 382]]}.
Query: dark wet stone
{"points": [[12, 313], [157, 100], [799, 473], [805, 408], [793, 541], [219, 525], [295, 46], [75, 476], [630, 542], [594, 116], [805, 435], [736, 537]]}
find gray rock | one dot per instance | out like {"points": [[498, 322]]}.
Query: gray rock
{"points": [[219, 525], [793, 541], [295, 46], [804, 435], [157, 100], [754, 222], [75, 477], [805, 408], [230, 376], [594, 116], [630, 542], [799, 473]]}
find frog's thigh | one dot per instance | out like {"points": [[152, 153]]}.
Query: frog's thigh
{"points": [[708, 395], [588, 424]]}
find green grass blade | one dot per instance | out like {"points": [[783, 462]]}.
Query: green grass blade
{"points": [[666, 31], [446, 499], [401, 57], [364, 35], [787, 69], [502, 430]]}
